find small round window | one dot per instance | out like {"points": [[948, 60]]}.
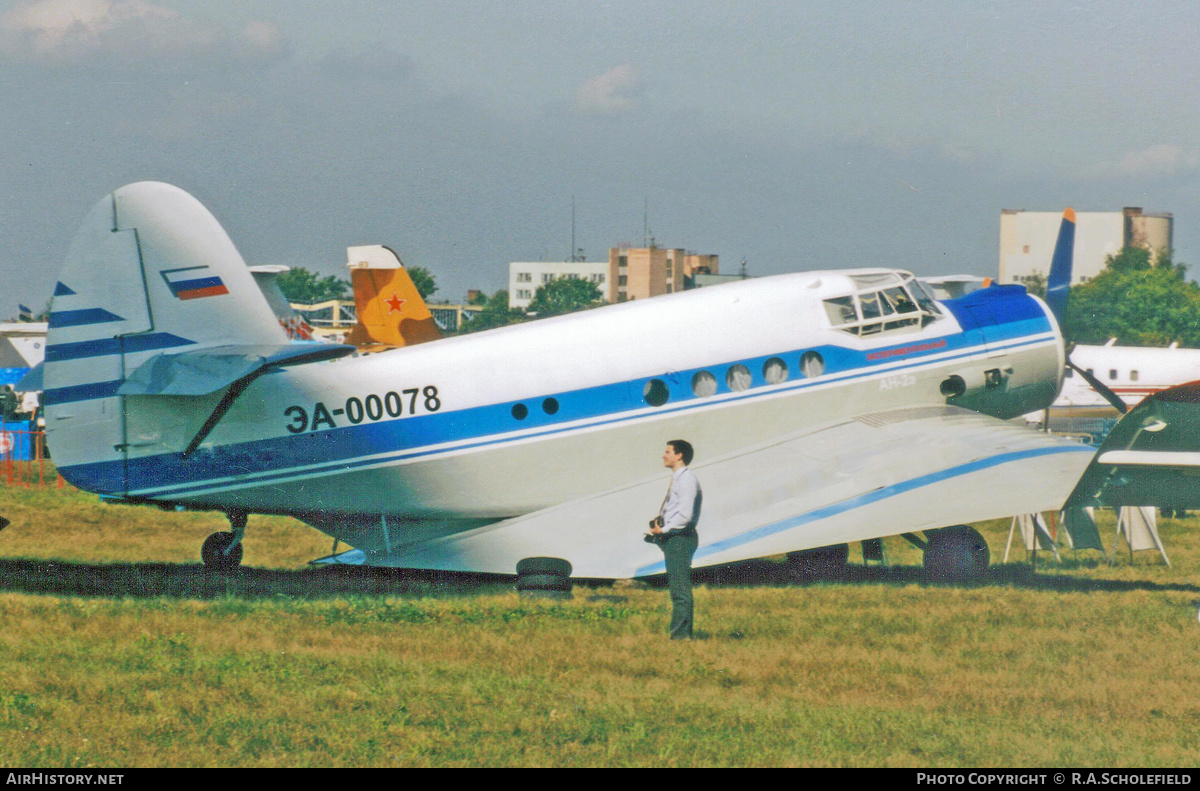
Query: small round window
{"points": [[812, 364], [704, 384], [550, 406], [655, 392], [520, 411], [737, 377], [775, 371]]}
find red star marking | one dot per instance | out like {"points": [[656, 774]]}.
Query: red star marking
{"points": [[394, 304]]}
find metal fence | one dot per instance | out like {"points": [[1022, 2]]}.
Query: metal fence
{"points": [[23, 458]]}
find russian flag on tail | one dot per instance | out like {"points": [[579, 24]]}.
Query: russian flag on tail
{"points": [[194, 282]]}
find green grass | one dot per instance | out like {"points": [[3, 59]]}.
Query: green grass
{"points": [[118, 650]]}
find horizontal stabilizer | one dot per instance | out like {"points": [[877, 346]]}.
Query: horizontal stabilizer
{"points": [[197, 373]]}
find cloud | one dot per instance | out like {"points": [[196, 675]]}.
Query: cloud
{"points": [[1160, 161], [129, 33], [610, 93]]}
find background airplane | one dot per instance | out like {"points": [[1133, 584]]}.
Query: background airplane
{"points": [[1132, 372], [825, 407], [390, 311]]}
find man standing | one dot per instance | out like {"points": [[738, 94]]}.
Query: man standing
{"points": [[674, 530]]}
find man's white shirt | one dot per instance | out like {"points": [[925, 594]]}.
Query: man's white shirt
{"points": [[681, 509]]}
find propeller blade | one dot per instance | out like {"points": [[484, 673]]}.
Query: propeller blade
{"points": [[1100, 388], [1058, 283]]}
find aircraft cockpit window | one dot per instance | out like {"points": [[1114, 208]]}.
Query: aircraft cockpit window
{"points": [[900, 299], [892, 308], [870, 306], [924, 299], [841, 311]]}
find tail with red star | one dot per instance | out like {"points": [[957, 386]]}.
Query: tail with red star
{"points": [[390, 310]]}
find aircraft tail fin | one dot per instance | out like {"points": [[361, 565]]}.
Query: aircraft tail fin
{"points": [[292, 322], [390, 310], [1058, 283], [150, 271]]}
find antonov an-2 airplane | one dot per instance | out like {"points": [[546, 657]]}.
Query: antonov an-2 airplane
{"points": [[825, 407]]}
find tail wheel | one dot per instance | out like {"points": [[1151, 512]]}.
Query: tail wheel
{"points": [[217, 554], [956, 554]]}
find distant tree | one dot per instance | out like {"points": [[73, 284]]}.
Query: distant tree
{"points": [[495, 313], [1139, 299], [425, 282], [564, 295], [305, 287], [1036, 284]]}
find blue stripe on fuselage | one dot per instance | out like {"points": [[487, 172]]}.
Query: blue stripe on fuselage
{"points": [[352, 446]]}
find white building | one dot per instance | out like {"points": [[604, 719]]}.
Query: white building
{"points": [[524, 277], [1027, 240]]}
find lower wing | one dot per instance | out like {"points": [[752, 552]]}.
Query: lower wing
{"points": [[874, 475]]}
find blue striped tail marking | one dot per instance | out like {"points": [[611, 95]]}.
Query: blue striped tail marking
{"points": [[88, 392], [80, 318], [60, 352]]}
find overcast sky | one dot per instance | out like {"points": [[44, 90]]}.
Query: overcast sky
{"points": [[794, 135]]}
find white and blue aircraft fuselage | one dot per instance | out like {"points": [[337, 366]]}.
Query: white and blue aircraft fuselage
{"points": [[824, 407]]}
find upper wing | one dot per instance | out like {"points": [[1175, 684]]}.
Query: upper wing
{"points": [[878, 474], [1150, 457]]}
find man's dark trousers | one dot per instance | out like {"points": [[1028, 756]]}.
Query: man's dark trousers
{"points": [[679, 547]]}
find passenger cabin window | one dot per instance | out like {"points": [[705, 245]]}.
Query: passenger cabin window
{"points": [[1133, 376], [1112, 373], [895, 308]]}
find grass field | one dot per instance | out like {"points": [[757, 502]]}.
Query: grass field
{"points": [[116, 649]]}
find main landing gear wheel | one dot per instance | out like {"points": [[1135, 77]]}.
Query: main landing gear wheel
{"points": [[956, 554], [223, 551]]}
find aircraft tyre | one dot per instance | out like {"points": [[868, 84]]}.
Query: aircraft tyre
{"points": [[543, 582], [544, 577], [556, 566], [213, 553], [956, 554], [819, 563]]}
